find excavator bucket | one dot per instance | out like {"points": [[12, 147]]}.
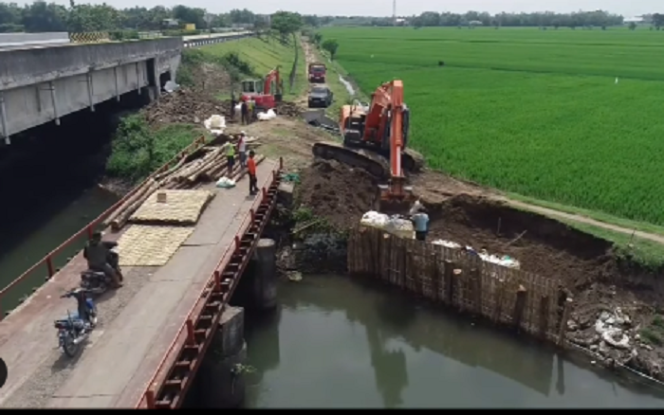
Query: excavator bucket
{"points": [[395, 197]]}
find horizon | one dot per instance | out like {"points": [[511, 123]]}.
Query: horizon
{"points": [[383, 8]]}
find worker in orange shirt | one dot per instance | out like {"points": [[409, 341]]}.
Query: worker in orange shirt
{"points": [[251, 169]]}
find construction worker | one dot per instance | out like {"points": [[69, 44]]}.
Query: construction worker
{"points": [[252, 106], [420, 220], [242, 149], [243, 112], [233, 104], [251, 169], [230, 158]]}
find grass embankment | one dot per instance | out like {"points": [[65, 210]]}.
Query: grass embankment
{"points": [[263, 55], [569, 117], [139, 149], [534, 112]]}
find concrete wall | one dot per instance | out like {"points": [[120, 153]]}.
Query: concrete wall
{"points": [[29, 39], [204, 40]]}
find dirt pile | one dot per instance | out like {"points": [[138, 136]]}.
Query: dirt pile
{"points": [[183, 106], [287, 109], [334, 191]]}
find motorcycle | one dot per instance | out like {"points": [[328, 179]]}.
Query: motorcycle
{"points": [[76, 328], [98, 282]]}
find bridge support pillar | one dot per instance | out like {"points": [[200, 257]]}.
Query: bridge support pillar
{"points": [[263, 279], [220, 381]]}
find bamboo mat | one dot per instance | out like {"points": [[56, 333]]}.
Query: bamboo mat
{"points": [[182, 207], [145, 245]]}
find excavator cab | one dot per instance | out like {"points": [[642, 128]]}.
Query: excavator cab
{"points": [[252, 86]]}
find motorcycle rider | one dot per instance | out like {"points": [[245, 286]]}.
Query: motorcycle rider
{"points": [[97, 252]]}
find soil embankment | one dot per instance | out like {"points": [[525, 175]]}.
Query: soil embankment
{"points": [[586, 266]]}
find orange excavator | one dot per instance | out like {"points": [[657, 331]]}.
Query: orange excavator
{"points": [[265, 92], [374, 133]]}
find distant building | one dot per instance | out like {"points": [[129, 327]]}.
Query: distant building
{"points": [[170, 22], [635, 19]]}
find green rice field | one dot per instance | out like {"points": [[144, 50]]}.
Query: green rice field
{"points": [[570, 116]]}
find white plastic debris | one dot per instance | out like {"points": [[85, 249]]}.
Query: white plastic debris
{"points": [[266, 116], [609, 326], [216, 124], [225, 183], [171, 86]]}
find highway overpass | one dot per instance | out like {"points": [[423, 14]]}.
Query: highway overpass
{"points": [[41, 82]]}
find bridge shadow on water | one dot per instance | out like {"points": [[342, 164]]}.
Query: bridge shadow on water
{"points": [[48, 187], [393, 320]]}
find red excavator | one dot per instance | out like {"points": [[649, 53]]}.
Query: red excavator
{"points": [[261, 90], [373, 134]]}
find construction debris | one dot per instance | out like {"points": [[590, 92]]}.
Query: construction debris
{"points": [[206, 165], [182, 207]]}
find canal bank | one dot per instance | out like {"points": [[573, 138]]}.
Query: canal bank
{"points": [[336, 342]]}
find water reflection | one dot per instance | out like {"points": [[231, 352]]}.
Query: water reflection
{"points": [[339, 343]]}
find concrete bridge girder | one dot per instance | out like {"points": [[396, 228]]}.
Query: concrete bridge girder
{"points": [[43, 84]]}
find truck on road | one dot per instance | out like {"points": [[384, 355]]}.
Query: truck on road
{"points": [[317, 72]]}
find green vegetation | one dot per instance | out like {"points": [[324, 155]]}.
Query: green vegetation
{"points": [[567, 116], [263, 55], [139, 150], [654, 333]]}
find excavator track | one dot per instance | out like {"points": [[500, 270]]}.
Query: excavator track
{"points": [[369, 160]]}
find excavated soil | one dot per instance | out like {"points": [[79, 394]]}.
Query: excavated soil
{"points": [[333, 191], [586, 266], [183, 106]]}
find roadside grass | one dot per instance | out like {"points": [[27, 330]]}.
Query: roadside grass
{"points": [[598, 216], [263, 55]]}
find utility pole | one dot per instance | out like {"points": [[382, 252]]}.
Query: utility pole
{"points": [[394, 12]]}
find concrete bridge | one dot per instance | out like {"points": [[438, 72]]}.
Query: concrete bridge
{"points": [[154, 333], [42, 82]]}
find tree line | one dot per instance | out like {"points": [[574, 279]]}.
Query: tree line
{"points": [[41, 16]]}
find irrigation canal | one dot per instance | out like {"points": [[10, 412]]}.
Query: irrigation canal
{"points": [[333, 341]]}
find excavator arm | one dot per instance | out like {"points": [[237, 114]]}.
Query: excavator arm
{"points": [[396, 189], [272, 76]]}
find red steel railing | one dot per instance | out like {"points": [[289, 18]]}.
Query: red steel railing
{"points": [[89, 229], [186, 331]]}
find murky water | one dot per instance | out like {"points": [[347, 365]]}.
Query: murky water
{"points": [[335, 342], [349, 87], [46, 227]]}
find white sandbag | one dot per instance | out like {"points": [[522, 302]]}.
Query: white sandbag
{"points": [[216, 124], [171, 86], [400, 227], [225, 183], [446, 244], [374, 219], [266, 116]]}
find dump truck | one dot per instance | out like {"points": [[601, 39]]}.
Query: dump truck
{"points": [[317, 72]]}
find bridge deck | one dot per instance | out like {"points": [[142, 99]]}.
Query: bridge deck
{"points": [[137, 323]]}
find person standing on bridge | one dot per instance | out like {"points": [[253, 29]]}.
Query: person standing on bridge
{"points": [[242, 149], [230, 158], [251, 169], [97, 253], [244, 113], [233, 104]]}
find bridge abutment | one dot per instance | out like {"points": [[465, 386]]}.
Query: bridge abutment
{"points": [[220, 381]]}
